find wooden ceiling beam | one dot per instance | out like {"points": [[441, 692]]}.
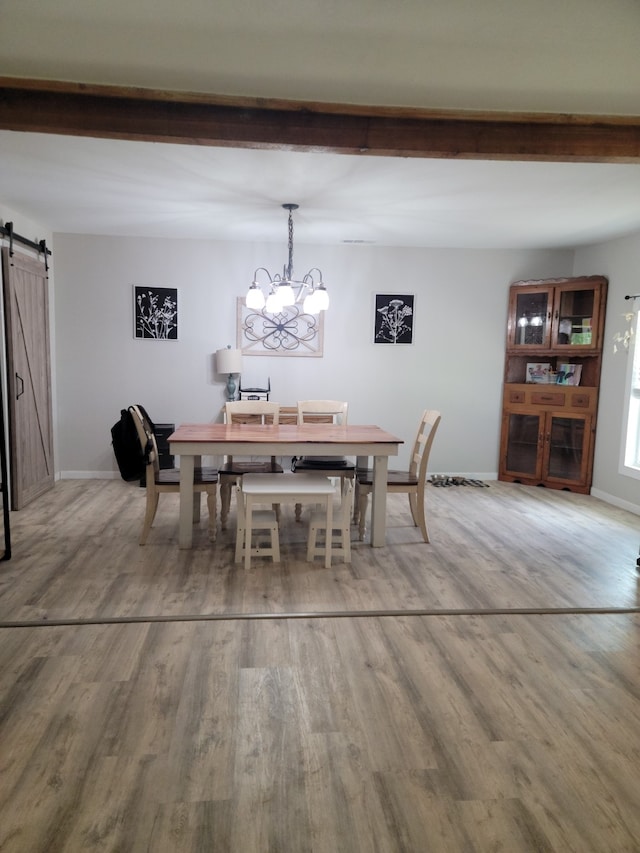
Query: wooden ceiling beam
{"points": [[114, 112]]}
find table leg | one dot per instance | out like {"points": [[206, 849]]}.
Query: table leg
{"points": [[185, 532], [197, 463], [329, 536], [248, 530], [379, 501]]}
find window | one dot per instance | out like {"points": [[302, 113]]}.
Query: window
{"points": [[631, 436]]}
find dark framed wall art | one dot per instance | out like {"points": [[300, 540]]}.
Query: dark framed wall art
{"points": [[155, 313], [393, 320]]}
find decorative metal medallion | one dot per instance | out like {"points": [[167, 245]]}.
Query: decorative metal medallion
{"points": [[289, 332]]}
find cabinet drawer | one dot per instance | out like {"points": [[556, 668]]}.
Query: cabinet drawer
{"points": [[548, 398], [580, 400]]}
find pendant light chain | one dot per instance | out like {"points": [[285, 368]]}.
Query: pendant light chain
{"points": [[289, 275]]}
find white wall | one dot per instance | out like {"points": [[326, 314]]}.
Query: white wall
{"points": [[455, 364], [620, 261]]}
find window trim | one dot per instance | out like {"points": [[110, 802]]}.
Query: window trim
{"points": [[631, 414]]}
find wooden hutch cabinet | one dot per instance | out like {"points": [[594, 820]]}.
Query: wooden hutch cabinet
{"points": [[551, 380]]}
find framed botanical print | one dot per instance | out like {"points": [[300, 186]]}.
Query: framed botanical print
{"points": [[290, 332], [393, 319], [155, 313]]}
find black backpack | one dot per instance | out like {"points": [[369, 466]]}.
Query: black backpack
{"points": [[130, 455]]}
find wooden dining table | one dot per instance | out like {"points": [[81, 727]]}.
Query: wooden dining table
{"points": [[192, 441]]}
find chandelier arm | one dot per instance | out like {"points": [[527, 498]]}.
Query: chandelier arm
{"points": [[265, 270], [310, 281]]}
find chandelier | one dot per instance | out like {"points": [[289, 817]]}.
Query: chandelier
{"points": [[284, 289]]}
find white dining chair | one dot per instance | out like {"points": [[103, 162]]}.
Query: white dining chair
{"points": [[330, 412], [245, 411], [411, 482], [167, 481]]}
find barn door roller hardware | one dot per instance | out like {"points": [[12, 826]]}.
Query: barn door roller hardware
{"points": [[40, 246]]}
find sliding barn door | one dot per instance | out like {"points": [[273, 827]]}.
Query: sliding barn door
{"points": [[26, 305]]}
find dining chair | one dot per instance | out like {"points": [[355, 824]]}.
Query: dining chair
{"points": [[259, 489], [341, 544], [262, 520], [245, 411], [412, 482], [323, 411], [167, 480]]}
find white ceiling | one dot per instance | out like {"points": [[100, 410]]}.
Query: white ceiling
{"points": [[114, 187], [578, 56]]}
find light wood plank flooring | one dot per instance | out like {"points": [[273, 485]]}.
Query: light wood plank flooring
{"points": [[480, 693]]}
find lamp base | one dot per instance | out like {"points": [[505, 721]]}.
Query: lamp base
{"points": [[231, 388]]}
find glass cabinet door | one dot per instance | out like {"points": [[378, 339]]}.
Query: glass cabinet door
{"points": [[530, 317], [567, 447], [574, 320], [524, 434]]}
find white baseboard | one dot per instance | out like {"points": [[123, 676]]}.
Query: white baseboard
{"points": [[88, 475], [614, 501], [466, 474]]}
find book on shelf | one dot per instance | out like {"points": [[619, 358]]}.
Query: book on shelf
{"points": [[582, 335], [538, 372], [569, 374]]}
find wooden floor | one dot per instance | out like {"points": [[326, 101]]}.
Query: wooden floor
{"points": [[480, 693]]}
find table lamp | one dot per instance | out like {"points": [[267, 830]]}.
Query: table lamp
{"points": [[229, 361]]}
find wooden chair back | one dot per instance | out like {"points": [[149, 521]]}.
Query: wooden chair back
{"points": [[148, 443], [429, 423], [251, 411], [335, 410]]}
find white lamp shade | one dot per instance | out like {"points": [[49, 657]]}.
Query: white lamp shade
{"points": [[310, 304], [229, 360], [286, 294], [322, 298], [273, 304]]}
